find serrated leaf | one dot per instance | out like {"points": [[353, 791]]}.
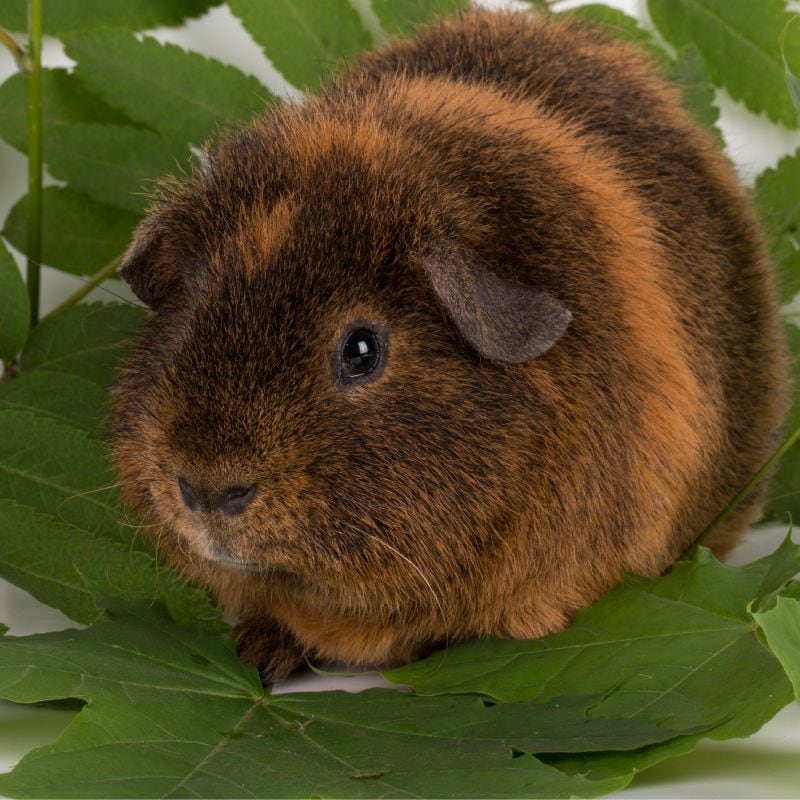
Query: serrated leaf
{"points": [[65, 101], [78, 402], [663, 644], [184, 95], [66, 16], [223, 737], [778, 202], [304, 39], [79, 235], [402, 16], [784, 565], [781, 626], [740, 44], [67, 568], [14, 308], [86, 340], [113, 164], [61, 471]]}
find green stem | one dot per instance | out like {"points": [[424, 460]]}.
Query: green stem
{"points": [[33, 69], [11, 43], [747, 488], [108, 271]]}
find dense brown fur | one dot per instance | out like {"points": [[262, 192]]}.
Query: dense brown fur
{"points": [[453, 495]]}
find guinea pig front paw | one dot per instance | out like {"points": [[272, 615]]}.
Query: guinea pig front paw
{"points": [[269, 647]]}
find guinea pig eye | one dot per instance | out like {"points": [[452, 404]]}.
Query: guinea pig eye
{"points": [[360, 354]]}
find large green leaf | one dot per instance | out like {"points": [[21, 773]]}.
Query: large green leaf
{"points": [[68, 567], [89, 144], [402, 16], [64, 536], [778, 202], [14, 307], [65, 16], [781, 626], [740, 42], [65, 101], [304, 39], [86, 341], [223, 737], [113, 164], [184, 95], [77, 401], [79, 235], [662, 644]]}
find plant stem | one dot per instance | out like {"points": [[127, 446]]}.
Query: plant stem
{"points": [[33, 69], [11, 43], [747, 488], [107, 271]]}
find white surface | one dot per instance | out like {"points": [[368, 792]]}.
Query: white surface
{"points": [[767, 765]]}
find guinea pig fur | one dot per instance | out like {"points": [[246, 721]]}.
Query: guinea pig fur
{"points": [[444, 350]]}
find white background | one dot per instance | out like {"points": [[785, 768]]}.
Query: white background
{"points": [[766, 765]]}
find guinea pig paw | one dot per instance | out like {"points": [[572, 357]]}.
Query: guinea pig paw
{"points": [[269, 647]]}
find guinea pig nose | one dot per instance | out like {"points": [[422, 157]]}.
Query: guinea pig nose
{"points": [[236, 498], [190, 496]]}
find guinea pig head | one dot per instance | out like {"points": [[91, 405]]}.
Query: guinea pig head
{"points": [[327, 390]]}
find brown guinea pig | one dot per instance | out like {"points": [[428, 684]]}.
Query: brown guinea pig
{"points": [[442, 351]]}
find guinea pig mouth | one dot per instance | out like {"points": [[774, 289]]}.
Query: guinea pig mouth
{"points": [[218, 556]]}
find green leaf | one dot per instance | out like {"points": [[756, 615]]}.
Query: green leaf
{"points": [[14, 308], [784, 491], [65, 101], [402, 16], [224, 738], [740, 44], [304, 39], [68, 567], [79, 234], [661, 644], [62, 471], [65, 16], [68, 398], [778, 202], [183, 95], [781, 626], [65, 537], [113, 164], [86, 341]]}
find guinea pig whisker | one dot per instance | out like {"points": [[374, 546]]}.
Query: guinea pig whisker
{"points": [[414, 566]]}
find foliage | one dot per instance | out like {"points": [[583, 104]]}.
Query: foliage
{"points": [[708, 650], [513, 721]]}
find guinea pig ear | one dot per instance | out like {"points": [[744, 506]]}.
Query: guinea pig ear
{"points": [[502, 319], [142, 267]]}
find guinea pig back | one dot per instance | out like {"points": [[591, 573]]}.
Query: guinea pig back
{"points": [[446, 349]]}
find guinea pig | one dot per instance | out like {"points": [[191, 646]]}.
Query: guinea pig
{"points": [[444, 350]]}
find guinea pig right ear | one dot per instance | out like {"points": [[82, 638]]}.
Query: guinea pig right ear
{"points": [[501, 318], [143, 266]]}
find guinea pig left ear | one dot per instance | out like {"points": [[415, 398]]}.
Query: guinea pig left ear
{"points": [[143, 267], [501, 318]]}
